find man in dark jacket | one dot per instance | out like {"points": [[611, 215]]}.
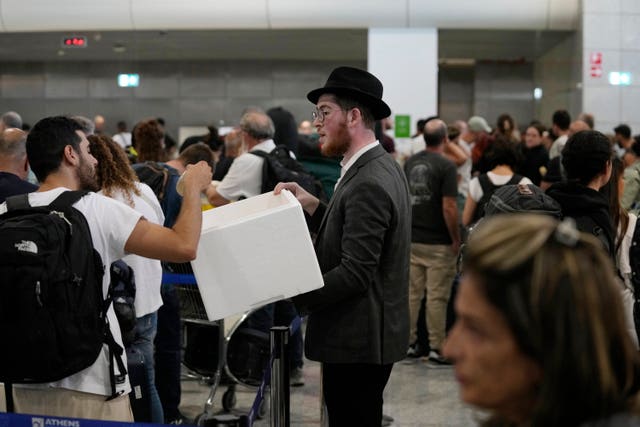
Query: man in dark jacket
{"points": [[586, 159], [14, 167], [358, 322]]}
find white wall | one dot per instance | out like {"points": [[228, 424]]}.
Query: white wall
{"points": [[611, 28], [406, 62]]}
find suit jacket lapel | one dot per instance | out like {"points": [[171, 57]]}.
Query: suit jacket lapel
{"points": [[353, 170]]}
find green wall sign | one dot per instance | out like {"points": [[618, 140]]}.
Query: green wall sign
{"points": [[403, 126]]}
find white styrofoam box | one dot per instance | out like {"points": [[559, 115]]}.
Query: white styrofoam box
{"points": [[253, 252]]}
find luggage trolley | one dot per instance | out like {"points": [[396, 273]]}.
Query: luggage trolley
{"points": [[219, 350]]}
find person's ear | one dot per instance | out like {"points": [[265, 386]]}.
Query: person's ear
{"points": [[354, 115], [70, 155]]}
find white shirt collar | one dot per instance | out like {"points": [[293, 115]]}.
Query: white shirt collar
{"points": [[267, 145], [354, 158]]}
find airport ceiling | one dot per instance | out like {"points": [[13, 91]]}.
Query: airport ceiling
{"points": [[315, 44]]}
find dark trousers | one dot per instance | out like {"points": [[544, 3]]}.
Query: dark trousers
{"points": [[168, 352], [353, 393]]}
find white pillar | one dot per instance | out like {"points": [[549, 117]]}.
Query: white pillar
{"points": [[406, 62], [611, 43]]}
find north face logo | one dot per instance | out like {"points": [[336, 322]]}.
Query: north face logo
{"points": [[27, 246]]}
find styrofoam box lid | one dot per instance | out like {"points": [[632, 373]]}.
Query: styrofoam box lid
{"points": [[253, 252]]}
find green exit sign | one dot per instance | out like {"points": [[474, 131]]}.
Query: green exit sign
{"points": [[403, 126]]}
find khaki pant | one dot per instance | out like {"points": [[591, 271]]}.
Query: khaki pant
{"points": [[433, 268], [59, 402]]}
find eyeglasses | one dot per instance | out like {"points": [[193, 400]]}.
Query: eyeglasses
{"points": [[319, 115]]}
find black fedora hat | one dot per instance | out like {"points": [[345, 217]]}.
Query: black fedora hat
{"points": [[355, 83]]}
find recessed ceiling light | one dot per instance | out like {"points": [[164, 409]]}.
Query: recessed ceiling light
{"points": [[119, 48]]}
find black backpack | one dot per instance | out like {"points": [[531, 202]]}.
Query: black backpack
{"points": [[154, 175], [123, 294], [522, 198], [586, 224], [488, 188], [52, 311], [279, 166]]}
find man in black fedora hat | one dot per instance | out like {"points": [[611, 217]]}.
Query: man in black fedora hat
{"points": [[358, 322]]}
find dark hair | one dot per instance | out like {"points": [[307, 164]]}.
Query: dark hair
{"points": [[537, 126], [286, 130], [195, 153], [619, 215], [453, 132], [562, 119], [500, 123], [623, 130], [347, 103], [502, 152], [585, 155], [147, 140], [46, 142], [420, 125], [635, 146]]}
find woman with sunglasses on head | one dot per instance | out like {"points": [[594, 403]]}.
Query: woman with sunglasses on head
{"points": [[540, 337]]}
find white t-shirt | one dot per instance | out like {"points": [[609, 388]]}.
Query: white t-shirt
{"points": [[147, 272], [244, 178], [123, 139], [475, 189], [624, 267], [417, 144], [557, 146], [111, 224]]}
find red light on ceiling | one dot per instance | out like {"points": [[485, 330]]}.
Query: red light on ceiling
{"points": [[74, 41]]}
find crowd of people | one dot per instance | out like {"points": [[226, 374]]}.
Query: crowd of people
{"points": [[537, 319]]}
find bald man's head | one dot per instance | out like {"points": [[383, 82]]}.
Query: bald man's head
{"points": [[578, 126], [13, 152], [435, 133], [258, 125]]}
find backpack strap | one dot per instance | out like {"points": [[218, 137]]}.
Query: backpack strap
{"points": [[515, 179], [260, 153], [19, 201], [264, 186], [67, 199], [115, 350], [486, 184], [115, 353]]}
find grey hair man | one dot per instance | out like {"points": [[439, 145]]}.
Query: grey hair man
{"points": [[244, 178], [86, 124], [9, 120], [14, 166]]}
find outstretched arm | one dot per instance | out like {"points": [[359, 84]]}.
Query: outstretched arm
{"points": [[177, 244]]}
